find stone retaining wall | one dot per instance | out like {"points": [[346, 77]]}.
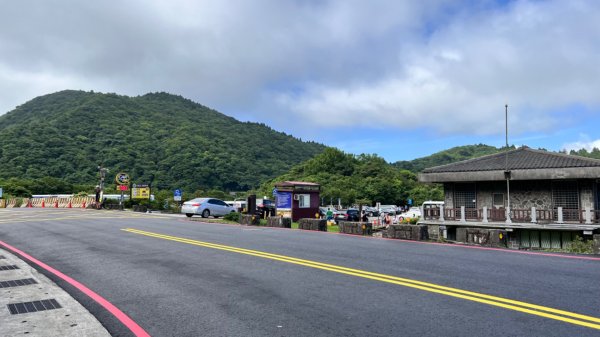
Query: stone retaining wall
{"points": [[434, 233], [249, 220], [356, 228], [313, 224], [481, 236], [280, 222], [408, 232]]}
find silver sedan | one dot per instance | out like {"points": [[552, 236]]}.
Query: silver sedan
{"points": [[206, 207]]}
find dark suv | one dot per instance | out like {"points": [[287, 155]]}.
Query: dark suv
{"points": [[349, 215], [265, 206]]}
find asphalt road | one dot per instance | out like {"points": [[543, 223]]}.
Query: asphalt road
{"points": [[176, 277]]}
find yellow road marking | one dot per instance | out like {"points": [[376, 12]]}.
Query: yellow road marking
{"points": [[533, 309]]}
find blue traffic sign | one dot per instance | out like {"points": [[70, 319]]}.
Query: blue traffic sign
{"points": [[275, 192], [177, 193], [409, 202]]}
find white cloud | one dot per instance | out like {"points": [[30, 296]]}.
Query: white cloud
{"points": [[584, 143], [439, 65], [539, 57]]}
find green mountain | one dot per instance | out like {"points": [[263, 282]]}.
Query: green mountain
{"points": [[449, 156], [160, 138]]}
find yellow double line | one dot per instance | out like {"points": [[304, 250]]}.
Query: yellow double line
{"points": [[533, 309]]}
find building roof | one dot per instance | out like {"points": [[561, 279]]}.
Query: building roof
{"points": [[522, 158], [524, 164], [296, 183]]}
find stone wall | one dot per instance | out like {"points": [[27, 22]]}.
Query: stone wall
{"points": [[280, 222], [313, 224], [521, 199], [408, 232], [482, 237], [356, 228], [434, 232], [597, 244], [249, 220]]}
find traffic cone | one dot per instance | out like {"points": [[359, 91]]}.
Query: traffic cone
{"points": [[56, 204], [29, 204], [83, 204], [43, 203], [69, 205]]}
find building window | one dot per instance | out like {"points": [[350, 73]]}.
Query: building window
{"points": [[498, 200], [303, 200], [465, 195], [565, 194]]}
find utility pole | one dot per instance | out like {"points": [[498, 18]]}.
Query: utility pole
{"points": [[102, 171], [506, 170]]}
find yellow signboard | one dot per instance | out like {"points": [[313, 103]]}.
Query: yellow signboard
{"points": [[140, 192]]}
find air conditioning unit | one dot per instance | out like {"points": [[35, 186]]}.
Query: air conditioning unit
{"points": [[296, 197]]}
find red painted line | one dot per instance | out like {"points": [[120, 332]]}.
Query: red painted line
{"points": [[455, 245], [121, 316]]}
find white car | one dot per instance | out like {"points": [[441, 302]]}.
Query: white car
{"points": [[206, 207], [413, 212]]}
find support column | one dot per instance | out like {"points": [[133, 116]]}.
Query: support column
{"points": [[462, 214], [588, 214], [484, 215], [560, 215], [442, 213], [533, 215]]}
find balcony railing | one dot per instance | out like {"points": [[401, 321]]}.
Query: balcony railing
{"points": [[557, 215]]}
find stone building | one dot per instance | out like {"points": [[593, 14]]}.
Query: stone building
{"points": [[549, 197]]}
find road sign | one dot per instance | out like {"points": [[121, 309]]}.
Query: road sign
{"points": [[275, 192], [177, 195], [0, 192], [122, 178], [409, 202]]}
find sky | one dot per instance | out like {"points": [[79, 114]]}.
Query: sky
{"points": [[400, 79]]}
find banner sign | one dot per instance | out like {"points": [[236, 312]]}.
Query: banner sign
{"points": [[284, 200], [140, 191]]}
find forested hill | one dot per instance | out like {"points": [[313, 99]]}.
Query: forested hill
{"points": [[449, 156], [157, 137]]}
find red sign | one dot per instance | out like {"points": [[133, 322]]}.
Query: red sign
{"points": [[122, 188]]}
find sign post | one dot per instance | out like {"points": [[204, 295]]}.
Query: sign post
{"points": [[177, 195], [122, 179]]}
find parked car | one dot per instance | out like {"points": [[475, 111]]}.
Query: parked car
{"points": [[350, 214], [206, 207], [371, 211], [413, 212], [388, 209], [265, 205]]}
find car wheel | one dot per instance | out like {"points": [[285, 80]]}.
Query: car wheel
{"points": [[189, 215], [205, 213]]}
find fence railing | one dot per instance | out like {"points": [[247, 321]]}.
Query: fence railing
{"points": [[517, 215]]}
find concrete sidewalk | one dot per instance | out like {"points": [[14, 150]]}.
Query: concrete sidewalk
{"points": [[53, 311]]}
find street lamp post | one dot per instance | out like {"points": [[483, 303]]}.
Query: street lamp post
{"points": [[506, 170]]}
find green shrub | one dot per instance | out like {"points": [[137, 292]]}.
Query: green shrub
{"points": [[581, 246], [233, 216]]}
